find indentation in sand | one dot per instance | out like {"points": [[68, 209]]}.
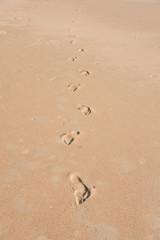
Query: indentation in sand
{"points": [[81, 50], [72, 59], [81, 191], [68, 138], [84, 109], [73, 87], [84, 72]]}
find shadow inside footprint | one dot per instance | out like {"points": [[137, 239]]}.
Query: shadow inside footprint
{"points": [[68, 138], [81, 191], [73, 87], [85, 73], [81, 50], [84, 109], [72, 59]]}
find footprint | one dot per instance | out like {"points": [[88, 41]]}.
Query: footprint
{"points": [[73, 87], [72, 36], [18, 18], [84, 109], [68, 138], [84, 72], [71, 41], [81, 50], [72, 59], [81, 191]]}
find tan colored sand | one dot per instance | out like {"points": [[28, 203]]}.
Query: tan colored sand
{"points": [[55, 56]]}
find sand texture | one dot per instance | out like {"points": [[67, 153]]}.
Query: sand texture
{"points": [[79, 120]]}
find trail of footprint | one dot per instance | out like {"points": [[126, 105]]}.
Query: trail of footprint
{"points": [[73, 87], [81, 191], [68, 138], [72, 37], [84, 109]]}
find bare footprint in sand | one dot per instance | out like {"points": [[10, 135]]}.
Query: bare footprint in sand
{"points": [[84, 72], [68, 138], [81, 191], [84, 109], [73, 87], [81, 50], [72, 59]]}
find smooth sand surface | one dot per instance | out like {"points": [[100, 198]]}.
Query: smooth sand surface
{"points": [[80, 120]]}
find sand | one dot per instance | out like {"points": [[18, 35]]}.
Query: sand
{"points": [[80, 128]]}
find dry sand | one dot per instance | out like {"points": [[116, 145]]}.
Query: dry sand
{"points": [[80, 120]]}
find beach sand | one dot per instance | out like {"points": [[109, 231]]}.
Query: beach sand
{"points": [[80, 120]]}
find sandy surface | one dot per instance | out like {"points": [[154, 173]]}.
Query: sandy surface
{"points": [[80, 120]]}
